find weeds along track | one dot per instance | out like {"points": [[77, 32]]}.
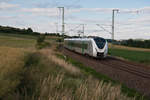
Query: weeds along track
{"points": [[136, 76]]}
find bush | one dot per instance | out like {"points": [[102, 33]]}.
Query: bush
{"points": [[60, 40], [40, 39], [41, 42], [43, 45]]}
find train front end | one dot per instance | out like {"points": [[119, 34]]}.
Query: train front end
{"points": [[101, 47]]}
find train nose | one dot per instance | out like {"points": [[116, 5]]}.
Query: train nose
{"points": [[99, 54]]}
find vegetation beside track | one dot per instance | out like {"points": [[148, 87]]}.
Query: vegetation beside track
{"points": [[131, 55]]}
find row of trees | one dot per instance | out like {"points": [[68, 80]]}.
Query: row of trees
{"points": [[17, 30], [29, 31], [136, 43]]}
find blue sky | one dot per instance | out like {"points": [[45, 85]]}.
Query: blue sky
{"points": [[116, 3], [84, 3], [43, 16]]}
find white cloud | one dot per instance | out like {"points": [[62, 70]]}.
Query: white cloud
{"points": [[42, 11], [133, 28], [91, 10], [109, 10], [4, 6], [137, 27], [55, 11], [144, 10]]}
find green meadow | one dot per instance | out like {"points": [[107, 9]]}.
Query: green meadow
{"points": [[131, 55]]}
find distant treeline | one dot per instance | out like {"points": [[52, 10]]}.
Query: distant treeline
{"points": [[28, 31], [12, 30], [135, 43], [53, 34]]}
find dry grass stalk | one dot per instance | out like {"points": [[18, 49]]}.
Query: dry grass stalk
{"points": [[60, 62], [11, 65], [91, 89]]}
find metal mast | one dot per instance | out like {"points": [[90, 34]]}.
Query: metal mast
{"points": [[56, 27], [63, 18], [83, 29], [113, 19]]}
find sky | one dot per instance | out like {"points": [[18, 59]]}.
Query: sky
{"points": [[132, 20]]}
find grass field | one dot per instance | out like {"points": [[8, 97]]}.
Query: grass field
{"points": [[129, 48], [14, 41], [33, 74], [23, 36], [131, 54]]}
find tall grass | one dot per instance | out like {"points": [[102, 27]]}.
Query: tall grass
{"points": [[68, 67], [11, 66], [53, 88], [65, 87], [48, 78]]}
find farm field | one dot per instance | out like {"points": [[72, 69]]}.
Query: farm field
{"points": [[26, 72], [17, 41], [132, 54], [129, 48]]}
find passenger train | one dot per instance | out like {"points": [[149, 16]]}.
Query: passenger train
{"points": [[94, 46]]}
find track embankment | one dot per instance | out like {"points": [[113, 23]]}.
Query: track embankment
{"points": [[136, 76]]}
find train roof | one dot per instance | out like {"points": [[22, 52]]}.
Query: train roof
{"points": [[83, 39], [78, 38]]}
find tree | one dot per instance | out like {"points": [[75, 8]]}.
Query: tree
{"points": [[29, 30]]}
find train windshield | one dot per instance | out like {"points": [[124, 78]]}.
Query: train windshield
{"points": [[100, 42]]}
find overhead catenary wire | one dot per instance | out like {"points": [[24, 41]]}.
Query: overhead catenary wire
{"points": [[104, 28], [130, 11], [74, 28]]}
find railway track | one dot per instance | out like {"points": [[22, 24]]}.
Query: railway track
{"points": [[134, 75], [116, 63], [121, 65]]}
